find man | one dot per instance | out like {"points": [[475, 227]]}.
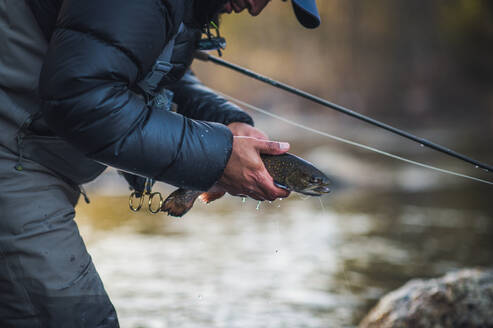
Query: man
{"points": [[82, 86]]}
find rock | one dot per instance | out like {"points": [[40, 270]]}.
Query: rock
{"points": [[459, 299]]}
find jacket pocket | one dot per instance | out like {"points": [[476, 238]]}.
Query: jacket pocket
{"points": [[58, 155]]}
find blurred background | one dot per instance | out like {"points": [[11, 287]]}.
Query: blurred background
{"points": [[423, 66]]}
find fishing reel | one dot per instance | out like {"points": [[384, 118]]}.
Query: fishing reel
{"points": [[212, 42]]}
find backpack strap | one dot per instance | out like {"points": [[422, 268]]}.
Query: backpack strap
{"points": [[161, 68]]}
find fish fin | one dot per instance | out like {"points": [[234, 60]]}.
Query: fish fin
{"points": [[211, 196], [179, 202]]}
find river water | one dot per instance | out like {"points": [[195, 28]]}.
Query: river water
{"points": [[316, 262]]}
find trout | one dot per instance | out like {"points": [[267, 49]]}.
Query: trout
{"points": [[289, 172]]}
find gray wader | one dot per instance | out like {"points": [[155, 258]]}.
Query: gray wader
{"points": [[47, 278]]}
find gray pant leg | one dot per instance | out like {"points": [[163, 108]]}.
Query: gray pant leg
{"points": [[47, 278]]}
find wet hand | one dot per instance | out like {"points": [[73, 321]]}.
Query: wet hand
{"points": [[245, 173], [246, 130]]}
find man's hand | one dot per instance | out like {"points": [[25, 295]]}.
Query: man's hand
{"points": [[245, 173], [246, 130]]}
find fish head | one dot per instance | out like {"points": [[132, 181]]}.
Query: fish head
{"points": [[308, 180], [293, 173], [317, 186]]}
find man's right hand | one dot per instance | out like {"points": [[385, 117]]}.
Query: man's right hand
{"points": [[245, 173]]}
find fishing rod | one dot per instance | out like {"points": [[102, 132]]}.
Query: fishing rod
{"points": [[347, 141], [201, 55]]}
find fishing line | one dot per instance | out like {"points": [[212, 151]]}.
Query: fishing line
{"points": [[206, 57], [322, 204], [349, 142]]}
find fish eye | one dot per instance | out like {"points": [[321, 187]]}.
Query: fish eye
{"points": [[314, 179]]}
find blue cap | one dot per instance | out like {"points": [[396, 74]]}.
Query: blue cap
{"points": [[307, 13]]}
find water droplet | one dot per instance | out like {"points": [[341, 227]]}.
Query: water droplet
{"points": [[270, 202], [476, 167], [280, 198], [278, 206], [258, 206], [421, 145], [243, 199]]}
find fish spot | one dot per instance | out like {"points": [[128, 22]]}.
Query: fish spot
{"points": [[72, 258]]}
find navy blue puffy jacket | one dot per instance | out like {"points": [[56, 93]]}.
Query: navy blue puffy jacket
{"points": [[98, 51]]}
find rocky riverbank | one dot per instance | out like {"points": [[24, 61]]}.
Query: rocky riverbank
{"points": [[459, 299]]}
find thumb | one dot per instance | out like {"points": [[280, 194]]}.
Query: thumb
{"points": [[272, 147]]}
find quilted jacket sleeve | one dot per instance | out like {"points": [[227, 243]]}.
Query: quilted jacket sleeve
{"points": [[196, 101], [97, 53]]}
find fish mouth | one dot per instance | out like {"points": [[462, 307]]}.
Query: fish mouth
{"points": [[315, 190]]}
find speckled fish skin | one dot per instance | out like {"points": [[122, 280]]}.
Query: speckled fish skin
{"points": [[289, 172], [295, 174]]}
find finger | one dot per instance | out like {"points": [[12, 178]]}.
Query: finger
{"points": [[259, 135], [258, 193], [284, 193], [272, 147], [252, 192], [256, 197], [262, 136], [261, 193], [272, 192]]}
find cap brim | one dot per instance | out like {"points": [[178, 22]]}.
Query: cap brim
{"points": [[307, 13]]}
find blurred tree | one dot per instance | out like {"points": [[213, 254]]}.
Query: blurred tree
{"points": [[418, 61]]}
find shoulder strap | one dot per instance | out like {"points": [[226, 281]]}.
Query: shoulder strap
{"points": [[162, 67]]}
